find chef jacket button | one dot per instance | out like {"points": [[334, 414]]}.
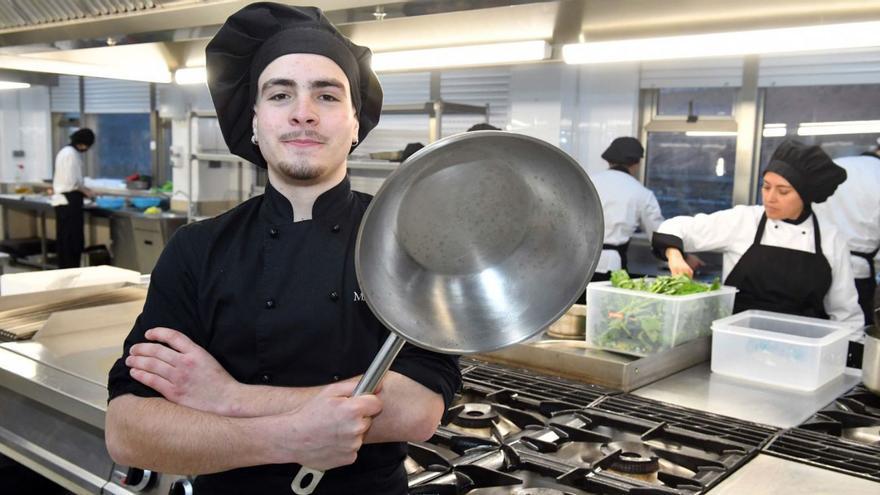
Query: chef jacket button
{"points": [[266, 378], [273, 232], [776, 226], [270, 303], [336, 228], [804, 232], [334, 296]]}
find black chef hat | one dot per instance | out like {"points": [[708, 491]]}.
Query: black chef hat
{"points": [[483, 126], [624, 151], [259, 33], [811, 172], [83, 136]]}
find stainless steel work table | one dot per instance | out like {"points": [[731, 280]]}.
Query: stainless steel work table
{"points": [[768, 475], [126, 224], [698, 388]]}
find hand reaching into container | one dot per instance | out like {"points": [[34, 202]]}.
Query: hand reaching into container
{"points": [[677, 263]]}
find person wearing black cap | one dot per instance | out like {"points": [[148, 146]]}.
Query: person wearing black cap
{"points": [[254, 331], [855, 210], [67, 198], [780, 255], [626, 204]]}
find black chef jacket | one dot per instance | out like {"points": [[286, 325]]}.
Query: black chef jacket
{"points": [[278, 302]]}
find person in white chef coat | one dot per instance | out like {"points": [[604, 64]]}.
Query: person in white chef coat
{"points": [[855, 210], [69, 192], [782, 256], [626, 204]]}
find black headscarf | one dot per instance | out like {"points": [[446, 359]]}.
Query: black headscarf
{"points": [[624, 151], [259, 33], [809, 170], [83, 136]]}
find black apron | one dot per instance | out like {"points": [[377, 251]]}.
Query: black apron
{"points": [[867, 286], [69, 238], [780, 279], [621, 250]]}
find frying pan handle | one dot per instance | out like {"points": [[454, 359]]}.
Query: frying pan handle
{"points": [[379, 366], [366, 385]]}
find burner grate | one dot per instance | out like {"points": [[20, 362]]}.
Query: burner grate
{"points": [[531, 384], [824, 451], [736, 430]]}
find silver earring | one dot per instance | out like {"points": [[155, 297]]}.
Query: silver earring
{"points": [[354, 143], [254, 138]]}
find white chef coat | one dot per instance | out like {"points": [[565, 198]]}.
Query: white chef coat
{"points": [[68, 174], [733, 231], [855, 209], [626, 204]]}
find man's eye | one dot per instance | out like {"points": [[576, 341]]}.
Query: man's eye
{"points": [[327, 97], [278, 97]]}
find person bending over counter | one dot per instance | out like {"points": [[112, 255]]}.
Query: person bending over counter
{"points": [[781, 255]]}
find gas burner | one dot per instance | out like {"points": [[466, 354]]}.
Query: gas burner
{"points": [[475, 416], [633, 459], [855, 416], [486, 421], [536, 491]]}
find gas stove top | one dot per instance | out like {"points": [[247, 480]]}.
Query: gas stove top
{"points": [[854, 416], [843, 436], [515, 432]]}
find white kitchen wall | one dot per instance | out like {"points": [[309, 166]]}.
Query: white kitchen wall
{"points": [[535, 101], [25, 124], [607, 107]]}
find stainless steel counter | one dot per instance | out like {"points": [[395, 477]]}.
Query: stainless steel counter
{"points": [[53, 400], [767, 475], [137, 238], [699, 388]]}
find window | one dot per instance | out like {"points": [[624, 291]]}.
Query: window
{"points": [[690, 174], [122, 145], [698, 101], [841, 119]]}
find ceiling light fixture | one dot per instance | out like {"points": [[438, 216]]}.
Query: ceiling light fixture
{"points": [[774, 130], [462, 56], [709, 133], [842, 127], [191, 75], [13, 85], [145, 73], [762, 41]]}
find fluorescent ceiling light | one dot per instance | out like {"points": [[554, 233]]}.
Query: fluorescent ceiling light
{"points": [[709, 133], [143, 73], [762, 41], [13, 85], [432, 58], [191, 75], [774, 130], [843, 127]]}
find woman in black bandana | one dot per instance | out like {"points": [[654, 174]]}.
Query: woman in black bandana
{"points": [[780, 255], [254, 332]]}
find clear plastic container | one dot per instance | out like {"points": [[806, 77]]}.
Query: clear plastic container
{"points": [[779, 349], [641, 323]]}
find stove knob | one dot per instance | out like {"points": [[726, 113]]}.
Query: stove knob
{"points": [[182, 486], [137, 480]]}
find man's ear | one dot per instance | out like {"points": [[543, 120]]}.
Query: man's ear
{"points": [[356, 130]]}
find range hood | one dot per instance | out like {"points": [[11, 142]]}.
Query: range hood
{"points": [[164, 35]]}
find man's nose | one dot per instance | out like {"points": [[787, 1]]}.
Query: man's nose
{"points": [[303, 112]]}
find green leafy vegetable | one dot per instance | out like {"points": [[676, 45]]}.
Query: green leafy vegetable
{"points": [[640, 325]]}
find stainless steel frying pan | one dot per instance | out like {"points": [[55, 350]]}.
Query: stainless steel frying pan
{"points": [[479, 241]]}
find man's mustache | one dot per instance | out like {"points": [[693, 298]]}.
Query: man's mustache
{"points": [[310, 134]]}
